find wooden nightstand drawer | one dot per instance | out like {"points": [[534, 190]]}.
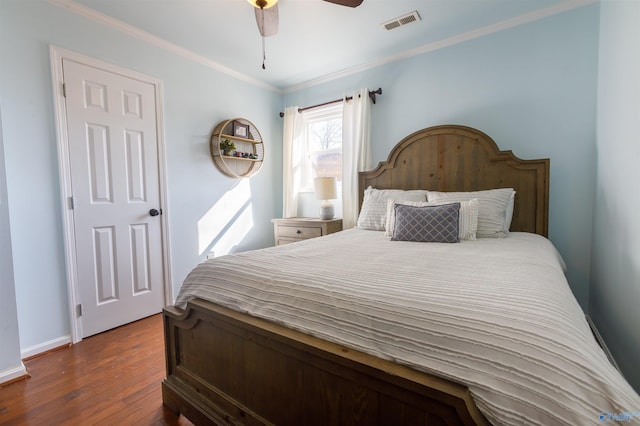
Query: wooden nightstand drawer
{"points": [[300, 228], [303, 232], [282, 241]]}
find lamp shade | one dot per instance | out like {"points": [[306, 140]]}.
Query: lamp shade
{"points": [[326, 188], [263, 4]]}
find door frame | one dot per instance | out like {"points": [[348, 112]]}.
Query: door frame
{"points": [[57, 55]]}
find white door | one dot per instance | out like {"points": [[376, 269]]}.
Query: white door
{"points": [[113, 157]]}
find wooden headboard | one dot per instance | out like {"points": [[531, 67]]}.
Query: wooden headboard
{"points": [[459, 158]]}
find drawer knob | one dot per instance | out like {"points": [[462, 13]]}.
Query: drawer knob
{"points": [[298, 232]]}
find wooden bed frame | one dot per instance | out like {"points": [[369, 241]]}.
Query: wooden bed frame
{"points": [[225, 367]]}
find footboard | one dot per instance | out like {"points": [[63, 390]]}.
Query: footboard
{"points": [[224, 367]]}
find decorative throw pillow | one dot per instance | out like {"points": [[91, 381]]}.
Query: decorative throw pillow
{"points": [[434, 224], [492, 212], [373, 214], [468, 220]]}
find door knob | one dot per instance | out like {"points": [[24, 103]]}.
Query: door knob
{"points": [[154, 212]]}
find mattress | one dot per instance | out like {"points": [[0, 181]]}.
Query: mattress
{"points": [[495, 314]]}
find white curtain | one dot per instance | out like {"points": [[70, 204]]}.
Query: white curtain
{"points": [[291, 161], [356, 152]]}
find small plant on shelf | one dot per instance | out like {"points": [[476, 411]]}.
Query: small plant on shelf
{"points": [[227, 146]]}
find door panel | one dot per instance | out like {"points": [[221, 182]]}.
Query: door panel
{"points": [[113, 155], [104, 261], [98, 164], [136, 167], [140, 258]]}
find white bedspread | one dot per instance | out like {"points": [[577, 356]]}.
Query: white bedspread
{"points": [[496, 315]]}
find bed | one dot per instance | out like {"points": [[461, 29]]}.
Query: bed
{"points": [[294, 335]]}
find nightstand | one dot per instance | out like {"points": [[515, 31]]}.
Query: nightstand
{"points": [[301, 228]]}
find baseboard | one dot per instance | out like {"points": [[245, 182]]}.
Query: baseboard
{"points": [[601, 342], [13, 374], [38, 349]]}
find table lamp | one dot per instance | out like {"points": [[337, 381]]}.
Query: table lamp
{"points": [[326, 190]]}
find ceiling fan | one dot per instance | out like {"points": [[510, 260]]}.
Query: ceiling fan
{"points": [[267, 17]]}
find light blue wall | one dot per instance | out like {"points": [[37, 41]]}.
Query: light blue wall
{"points": [[615, 279], [195, 99], [531, 88], [10, 359]]}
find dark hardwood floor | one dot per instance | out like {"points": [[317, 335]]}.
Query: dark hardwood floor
{"points": [[112, 378]]}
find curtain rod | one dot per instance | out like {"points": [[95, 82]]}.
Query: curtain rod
{"points": [[372, 95]]}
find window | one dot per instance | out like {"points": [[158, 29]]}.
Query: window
{"points": [[322, 153]]}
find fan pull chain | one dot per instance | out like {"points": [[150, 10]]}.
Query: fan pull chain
{"points": [[264, 54], [264, 51]]}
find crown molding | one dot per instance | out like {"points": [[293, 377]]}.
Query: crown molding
{"points": [[161, 43], [447, 42], [430, 47]]}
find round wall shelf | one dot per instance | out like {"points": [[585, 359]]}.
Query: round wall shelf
{"points": [[247, 157]]}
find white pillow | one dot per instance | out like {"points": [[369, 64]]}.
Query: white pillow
{"points": [[468, 220], [492, 211], [509, 212], [373, 214]]}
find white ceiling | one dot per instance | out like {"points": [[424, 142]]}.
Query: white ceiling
{"points": [[316, 39]]}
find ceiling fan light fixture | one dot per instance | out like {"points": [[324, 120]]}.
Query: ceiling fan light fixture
{"points": [[262, 4]]}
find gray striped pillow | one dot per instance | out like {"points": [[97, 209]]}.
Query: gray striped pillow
{"points": [[373, 214], [492, 209]]}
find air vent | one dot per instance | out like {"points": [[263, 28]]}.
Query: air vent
{"points": [[407, 19]]}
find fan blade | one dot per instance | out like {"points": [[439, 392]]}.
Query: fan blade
{"points": [[267, 20], [348, 3]]}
